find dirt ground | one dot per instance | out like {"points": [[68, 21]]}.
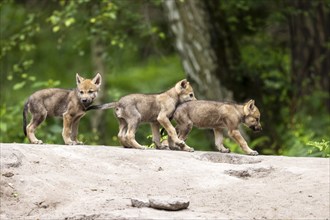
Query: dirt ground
{"points": [[97, 182]]}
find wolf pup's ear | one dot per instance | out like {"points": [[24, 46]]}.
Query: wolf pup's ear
{"points": [[97, 79], [251, 104], [249, 107], [181, 85], [79, 79], [184, 84]]}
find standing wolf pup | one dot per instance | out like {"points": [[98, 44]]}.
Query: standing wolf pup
{"points": [[156, 109], [216, 116], [69, 104]]}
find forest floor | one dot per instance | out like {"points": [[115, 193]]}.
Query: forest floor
{"points": [[98, 182]]}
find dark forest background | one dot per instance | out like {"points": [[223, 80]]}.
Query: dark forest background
{"points": [[273, 51]]}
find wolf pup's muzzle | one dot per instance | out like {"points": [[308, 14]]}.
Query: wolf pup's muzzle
{"points": [[86, 102], [256, 128]]}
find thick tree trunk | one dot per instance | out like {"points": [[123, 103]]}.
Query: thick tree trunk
{"points": [[309, 26], [201, 45]]}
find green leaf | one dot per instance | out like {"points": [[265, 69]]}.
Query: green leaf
{"points": [[3, 127], [32, 78], [56, 28], [113, 15], [54, 19], [18, 86], [68, 22], [162, 35], [92, 20]]}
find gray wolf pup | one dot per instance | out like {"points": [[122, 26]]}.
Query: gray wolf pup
{"points": [[216, 116], [69, 104], [156, 109]]}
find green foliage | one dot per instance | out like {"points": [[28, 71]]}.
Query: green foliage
{"points": [[260, 27], [11, 114], [162, 138], [304, 128], [321, 147], [48, 43]]}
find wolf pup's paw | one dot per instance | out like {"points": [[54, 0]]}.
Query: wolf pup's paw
{"points": [[189, 149], [163, 147], [37, 142], [175, 147], [225, 150], [253, 153], [180, 143], [142, 147], [71, 143]]}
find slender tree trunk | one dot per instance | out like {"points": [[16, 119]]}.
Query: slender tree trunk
{"points": [[97, 51], [201, 44]]}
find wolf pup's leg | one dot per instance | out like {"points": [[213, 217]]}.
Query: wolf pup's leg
{"points": [[74, 130], [122, 132], [67, 129], [165, 122], [183, 130], [218, 138], [236, 135], [155, 126], [37, 119], [130, 137]]}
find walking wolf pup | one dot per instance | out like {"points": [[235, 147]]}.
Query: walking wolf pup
{"points": [[156, 109], [216, 116], [69, 104]]}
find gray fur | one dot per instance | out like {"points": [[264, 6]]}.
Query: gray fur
{"points": [[217, 116], [67, 104], [156, 109]]}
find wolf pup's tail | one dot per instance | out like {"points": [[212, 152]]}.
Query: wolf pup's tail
{"points": [[25, 112], [102, 106]]}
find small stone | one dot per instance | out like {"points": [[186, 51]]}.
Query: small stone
{"points": [[8, 174], [139, 203], [170, 204]]}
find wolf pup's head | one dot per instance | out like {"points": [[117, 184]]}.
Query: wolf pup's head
{"points": [[185, 91], [252, 116], [87, 89]]}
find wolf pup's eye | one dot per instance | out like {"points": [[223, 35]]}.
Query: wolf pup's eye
{"points": [[81, 92], [191, 95], [90, 91]]}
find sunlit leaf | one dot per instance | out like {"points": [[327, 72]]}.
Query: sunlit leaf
{"points": [[92, 20], [56, 28], [18, 86], [68, 22]]}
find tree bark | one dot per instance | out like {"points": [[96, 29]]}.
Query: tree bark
{"points": [[309, 23], [98, 63], [202, 45]]}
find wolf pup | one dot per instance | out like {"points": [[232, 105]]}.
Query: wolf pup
{"points": [[156, 109], [216, 116], [69, 104]]}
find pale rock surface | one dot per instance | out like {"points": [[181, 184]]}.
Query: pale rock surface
{"points": [[139, 203], [98, 182]]}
